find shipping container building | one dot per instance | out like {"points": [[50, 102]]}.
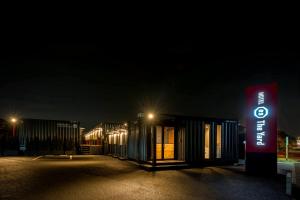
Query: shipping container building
{"points": [[39, 136], [181, 139]]}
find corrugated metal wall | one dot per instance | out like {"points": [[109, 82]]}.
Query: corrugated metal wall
{"points": [[194, 140], [109, 147], [189, 140], [181, 144], [132, 141], [118, 145], [48, 136], [137, 141]]}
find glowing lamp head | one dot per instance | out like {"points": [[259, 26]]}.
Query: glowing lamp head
{"points": [[125, 124], [150, 116], [13, 120]]}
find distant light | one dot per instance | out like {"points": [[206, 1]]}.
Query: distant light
{"points": [[150, 116], [13, 120], [125, 124]]}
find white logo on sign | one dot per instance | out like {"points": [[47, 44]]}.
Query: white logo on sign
{"points": [[261, 112]]}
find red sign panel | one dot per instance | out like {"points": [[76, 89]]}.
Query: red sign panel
{"points": [[261, 121]]}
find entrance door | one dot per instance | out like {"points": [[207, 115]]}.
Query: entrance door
{"points": [[168, 143], [165, 142]]}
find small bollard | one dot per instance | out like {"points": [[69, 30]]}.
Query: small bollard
{"points": [[71, 157], [288, 185]]}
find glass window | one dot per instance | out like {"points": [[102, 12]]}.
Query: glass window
{"points": [[219, 141], [158, 142], [207, 141]]}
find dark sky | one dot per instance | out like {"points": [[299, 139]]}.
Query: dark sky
{"points": [[113, 77]]}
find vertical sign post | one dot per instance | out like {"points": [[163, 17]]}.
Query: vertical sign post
{"points": [[286, 147], [261, 123]]}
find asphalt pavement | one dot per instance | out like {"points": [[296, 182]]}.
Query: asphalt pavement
{"points": [[104, 177]]}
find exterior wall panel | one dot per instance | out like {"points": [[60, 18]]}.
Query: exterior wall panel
{"points": [[110, 138], [189, 140], [44, 136]]}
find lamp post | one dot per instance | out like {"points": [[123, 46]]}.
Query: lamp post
{"points": [[15, 141], [150, 118], [13, 121], [286, 147]]}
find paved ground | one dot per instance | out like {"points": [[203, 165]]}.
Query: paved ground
{"points": [[292, 166], [102, 177]]}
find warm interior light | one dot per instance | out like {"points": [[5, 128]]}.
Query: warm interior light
{"points": [[125, 124]]}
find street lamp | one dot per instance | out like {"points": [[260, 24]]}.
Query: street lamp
{"points": [[13, 121], [150, 116]]}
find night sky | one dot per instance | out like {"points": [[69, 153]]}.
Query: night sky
{"points": [[113, 78]]}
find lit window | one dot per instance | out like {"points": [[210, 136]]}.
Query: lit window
{"points": [[207, 141], [158, 142], [219, 141]]}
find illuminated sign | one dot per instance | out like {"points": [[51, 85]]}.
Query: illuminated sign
{"points": [[261, 120], [261, 112]]}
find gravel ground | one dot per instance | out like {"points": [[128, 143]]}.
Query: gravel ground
{"points": [[103, 177]]}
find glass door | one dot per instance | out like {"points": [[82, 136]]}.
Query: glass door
{"points": [[165, 141], [159, 142], [168, 142]]}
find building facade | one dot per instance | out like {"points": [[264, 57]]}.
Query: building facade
{"points": [[38, 136], [192, 140], [169, 139], [106, 138]]}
